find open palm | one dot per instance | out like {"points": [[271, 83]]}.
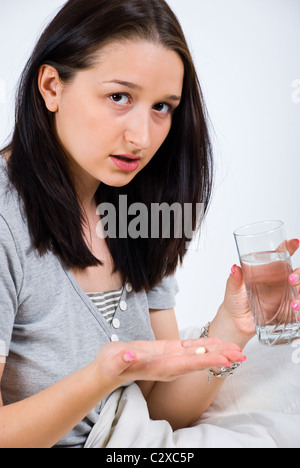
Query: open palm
{"points": [[164, 360]]}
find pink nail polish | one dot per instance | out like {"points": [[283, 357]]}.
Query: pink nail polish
{"points": [[233, 270], [129, 357], [294, 278], [295, 305]]}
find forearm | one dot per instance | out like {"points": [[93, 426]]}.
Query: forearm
{"points": [[43, 419], [183, 401]]}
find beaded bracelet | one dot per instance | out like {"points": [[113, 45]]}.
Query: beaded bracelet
{"points": [[224, 371]]}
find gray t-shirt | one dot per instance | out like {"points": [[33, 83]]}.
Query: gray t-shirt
{"points": [[49, 328]]}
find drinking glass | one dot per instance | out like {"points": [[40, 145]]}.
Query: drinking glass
{"points": [[266, 266]]}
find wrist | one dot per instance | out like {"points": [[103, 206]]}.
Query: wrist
{"points": [[220, 372], [102, 381], [224, 327]]}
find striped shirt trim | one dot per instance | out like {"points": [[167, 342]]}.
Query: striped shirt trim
{"points": [[106, 302]]}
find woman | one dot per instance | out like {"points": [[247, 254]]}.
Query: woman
{"points": [[109, 105]]}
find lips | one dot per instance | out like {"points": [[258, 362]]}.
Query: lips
{"points": [[126, 162], [127, 157]]}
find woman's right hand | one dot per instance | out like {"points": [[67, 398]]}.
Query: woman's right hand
{"points": [[164, 360]]}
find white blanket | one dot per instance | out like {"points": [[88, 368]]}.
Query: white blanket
{"points": [[258, 407]]}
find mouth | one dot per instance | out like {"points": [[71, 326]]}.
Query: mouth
{"points": [[126, 162], [126, 157]]}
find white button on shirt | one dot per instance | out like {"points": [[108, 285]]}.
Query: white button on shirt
{"points": [[123, 305], [116, 323], [128, 287], [114, 338]]}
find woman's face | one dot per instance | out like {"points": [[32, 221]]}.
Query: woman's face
{"points": [[112, 118]]}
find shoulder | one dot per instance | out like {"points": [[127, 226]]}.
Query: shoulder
{"points": [[10, 206], [8, 194], [164, 294], [12, 220]]}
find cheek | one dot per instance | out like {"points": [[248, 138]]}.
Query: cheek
{"points": [[82, 130], [159, 136], [69, 126]]}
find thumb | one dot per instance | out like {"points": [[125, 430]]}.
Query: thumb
{"points": [[124, 360], [236, 280], [116, 358], [293, 246], [129, 357]]}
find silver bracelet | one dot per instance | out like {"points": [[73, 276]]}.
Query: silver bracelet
{"points": [[204, 331], [224, 371]]}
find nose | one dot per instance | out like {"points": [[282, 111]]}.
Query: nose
{"points": [[138, 131]]}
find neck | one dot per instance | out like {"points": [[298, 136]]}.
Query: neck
{"points": [[86, 187]]}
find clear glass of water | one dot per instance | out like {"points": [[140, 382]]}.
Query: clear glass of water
{"points": [[266, 266]]}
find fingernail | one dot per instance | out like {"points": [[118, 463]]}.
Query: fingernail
{"points": [[297, 240], [233, 269], [295, 305], [129, 356], [243, 359], [293, 278]]}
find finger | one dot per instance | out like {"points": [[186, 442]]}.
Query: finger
{"points": [[236, 280], [234, 356], [294, 278], [123, 361], [292, 246], [231, 356], [296, 306], [201, 362], [200, 342], [229, 351], [129, 357], [212, 344]]}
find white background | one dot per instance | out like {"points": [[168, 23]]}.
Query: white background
{"points": [[247, 54]]}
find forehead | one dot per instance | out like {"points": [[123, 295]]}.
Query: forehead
{"points": [[149, 65]]}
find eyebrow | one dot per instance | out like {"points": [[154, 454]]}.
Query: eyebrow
{"points": [[137, 87]]}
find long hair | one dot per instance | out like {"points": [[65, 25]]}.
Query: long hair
{"points": [[180, 172]]}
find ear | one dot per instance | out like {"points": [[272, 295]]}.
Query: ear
{"points": [[50, 87]]}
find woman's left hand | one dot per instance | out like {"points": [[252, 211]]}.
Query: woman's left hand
{"points": [[234, 321]]}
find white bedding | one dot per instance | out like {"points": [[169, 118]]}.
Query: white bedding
{"points": [[257, 407]]}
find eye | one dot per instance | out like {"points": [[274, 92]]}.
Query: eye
{"points": [[120, 98], [163, 108]]}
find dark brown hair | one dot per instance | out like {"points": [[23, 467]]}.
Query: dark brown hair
{"points": [[181, 171]]}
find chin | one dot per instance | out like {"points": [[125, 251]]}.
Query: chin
{"points": [[118, 181]]}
